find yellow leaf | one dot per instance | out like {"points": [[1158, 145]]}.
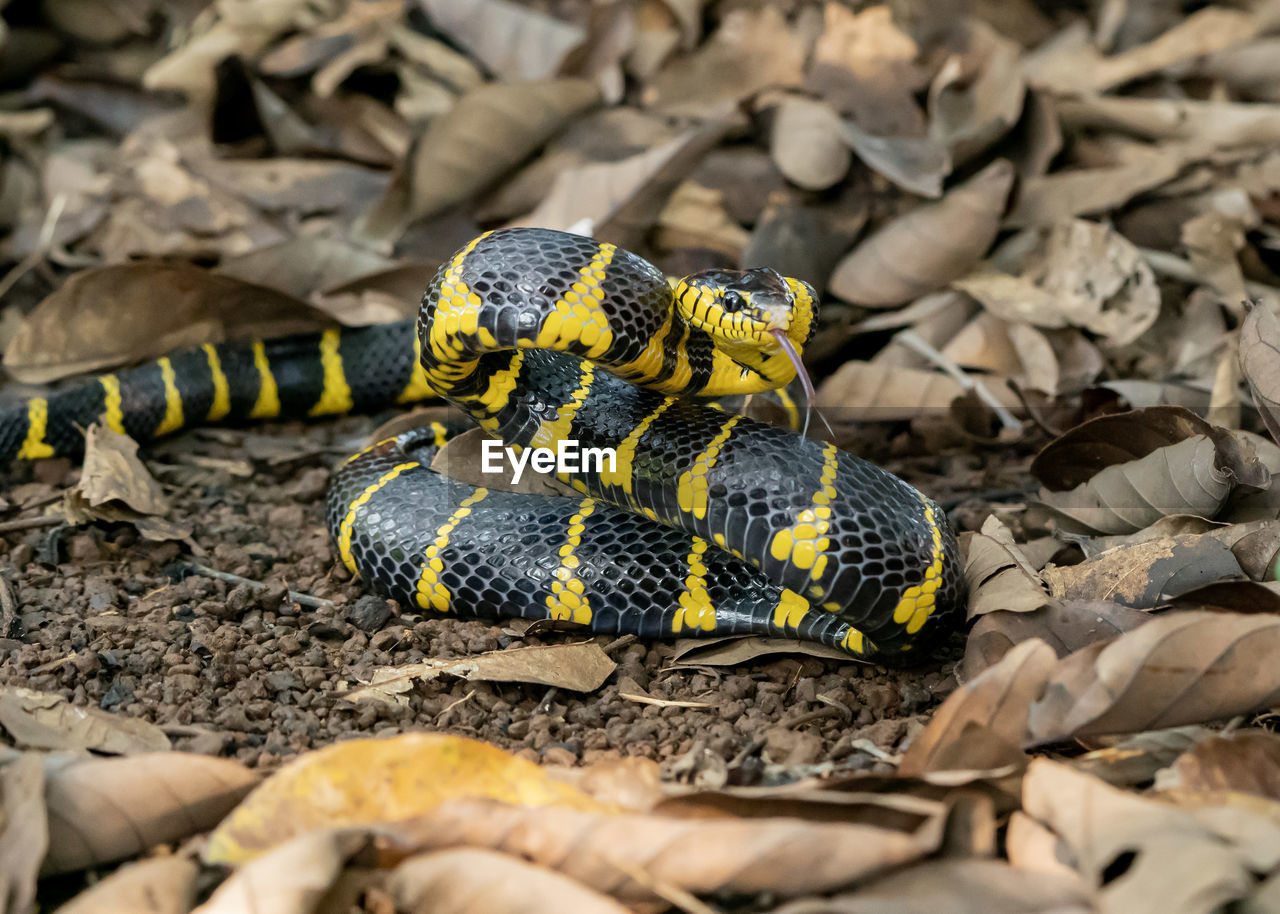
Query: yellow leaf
{"points": [[381, 780]]}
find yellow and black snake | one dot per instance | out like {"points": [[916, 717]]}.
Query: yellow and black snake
{"points": [[706, 524]]}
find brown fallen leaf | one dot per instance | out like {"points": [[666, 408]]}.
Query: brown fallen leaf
{"points": [[1133, 759], [1260, 364], [916, 164], [999, 576], [929, 246], [785, 856], [957, 887], [93, 320], [968, 112], [1179, 668], [304, 265], [870, 392], [1222, 124], [103, 810], [1079, 68], [1083, 275], [291, 878], [490, 130], [753, 49], [623, 198], [1246, 761], [512, 41], [470, 881], [981, 724], [41, 720], [1147, 574], [580, 667], [1163, 855], [159, 885], [1066, 626], [732, 651], [695, 217], [24, 834], [416, 772], [806, 144]]}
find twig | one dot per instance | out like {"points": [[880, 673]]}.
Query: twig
{"points": [[31, 523], [544, 706], [1175, 267], [819, 714], [672, 894], [32, 260], [618, 644], [302, 599], [914, 341], [440, 718]]}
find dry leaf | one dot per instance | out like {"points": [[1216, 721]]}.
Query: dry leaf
{"points": [[40, 720], [489, 131], [784, 856], [1127, 761], [484, 882], [1260, 364], [999, 576], [94, 320], [102, 810], [929, 246], [291, 878], [695, 217], [24, 835], [581, 667], [622, 199], [806, 144], [1085, 275], [1179, 668], [1146, 574], [957, 887], [158, 885], [735, 650], [1246, 761], [753, 49], [415, 772], [512, 41], [1164, 855], [967, 114], [869, 392], [303, 266], [1066, 626], [981, 724]]}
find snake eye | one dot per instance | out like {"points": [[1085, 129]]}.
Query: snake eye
{"points": [[732, 301]]}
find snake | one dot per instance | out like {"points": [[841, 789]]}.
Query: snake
{"points": [[691, 521]]}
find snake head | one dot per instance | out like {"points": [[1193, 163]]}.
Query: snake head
{"points": [[759, 318]]}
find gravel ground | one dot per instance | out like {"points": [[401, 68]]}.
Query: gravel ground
{"points": [[106, 618]]}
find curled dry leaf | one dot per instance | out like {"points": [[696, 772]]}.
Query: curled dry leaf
{"points": [[1147, 574], [916, 164], [1260, 364], [291, 878], [1222, 124], [1179, 668], [982, 724], [488, 132], [1085, 275], [1246, 761], [24, 833], [416, 772], [512, 41], [41, 720], [1167, 856], [999, 576], [581, 667], [959, 887], [867, 392], [1066, 626], [695, 217], [1127, 761], [102, 810], [929, 246], [622, 199], [784, 856], [806, 144], [1182, 478], [159, 885], [94, 320], [735, 651], [967, 114], [470, 881]]}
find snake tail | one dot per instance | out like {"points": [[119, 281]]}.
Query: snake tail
{"points": [[301, 376]]}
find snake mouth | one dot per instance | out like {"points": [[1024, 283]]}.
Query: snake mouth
{"points": [[802, 373]]}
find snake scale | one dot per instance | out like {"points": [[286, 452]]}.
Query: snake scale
{"points": [[706, 523]]}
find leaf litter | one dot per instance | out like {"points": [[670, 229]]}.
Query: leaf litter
{"points": [[1047, 240]]}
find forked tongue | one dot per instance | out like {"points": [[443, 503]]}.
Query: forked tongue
{"points": [[806, 383]]}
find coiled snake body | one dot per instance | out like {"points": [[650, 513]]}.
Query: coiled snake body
{"points": [[706, 524]]}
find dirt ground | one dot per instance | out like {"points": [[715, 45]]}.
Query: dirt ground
{"points": [[103, 617]]}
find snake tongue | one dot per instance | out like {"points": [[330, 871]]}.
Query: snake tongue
{"points": [[801, 372]]}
